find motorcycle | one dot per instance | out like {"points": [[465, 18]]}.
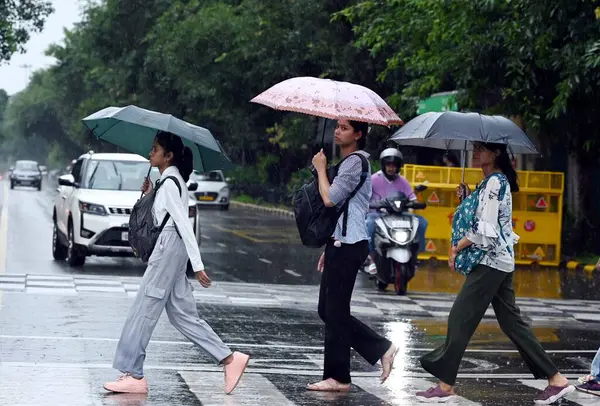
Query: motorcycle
{"points": [[396, 241]]}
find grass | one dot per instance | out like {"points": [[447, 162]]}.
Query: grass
{"points": [[260, 202]]}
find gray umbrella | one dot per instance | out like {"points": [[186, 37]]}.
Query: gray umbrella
{"points": [[457, 131]]}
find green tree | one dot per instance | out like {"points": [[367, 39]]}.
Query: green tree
{"points": [[17, 19]]}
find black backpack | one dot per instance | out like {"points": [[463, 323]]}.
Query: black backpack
{"points": [[143, 234], [316, 222]]}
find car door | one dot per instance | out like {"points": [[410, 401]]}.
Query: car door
{"points": [[66, 196]]}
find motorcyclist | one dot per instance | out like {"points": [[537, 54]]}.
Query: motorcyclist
{"points": [[385, 183]]}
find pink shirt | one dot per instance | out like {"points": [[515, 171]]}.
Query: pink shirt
{"points": [[383, 188]]}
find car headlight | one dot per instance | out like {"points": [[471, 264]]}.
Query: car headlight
{"points": [[402, 236], [92, 208], [224, 190]]}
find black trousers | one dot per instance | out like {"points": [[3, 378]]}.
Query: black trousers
{"points": [[342, 330], [485, 285]]}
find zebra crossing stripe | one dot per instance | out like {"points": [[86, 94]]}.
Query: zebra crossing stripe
{"points": [[577, 397], [255, 388]]}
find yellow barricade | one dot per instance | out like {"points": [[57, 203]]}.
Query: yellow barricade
{"points": [[537, 210]]}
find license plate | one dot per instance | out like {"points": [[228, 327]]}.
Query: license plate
{"points": [[125, 236], [206, 198], [401, 224]]}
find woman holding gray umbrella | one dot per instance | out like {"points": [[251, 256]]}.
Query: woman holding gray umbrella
{"points": [[483, 241], [165, 285]]}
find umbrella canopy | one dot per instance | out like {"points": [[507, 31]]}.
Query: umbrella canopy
{"points": [[133, 128], [330, 99], [457, 131]]}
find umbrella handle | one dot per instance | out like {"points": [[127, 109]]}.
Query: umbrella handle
{"points": [[147, 177]]}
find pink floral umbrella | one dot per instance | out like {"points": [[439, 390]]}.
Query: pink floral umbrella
{"points": [[330, 99]]}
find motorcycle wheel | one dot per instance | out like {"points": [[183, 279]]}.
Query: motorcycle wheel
{"points": [[400, 279]]}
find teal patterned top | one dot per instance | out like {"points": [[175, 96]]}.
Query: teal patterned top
{"points": [[485, 219]]}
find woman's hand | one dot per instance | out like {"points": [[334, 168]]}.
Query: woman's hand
{"points": [[321, 264], [147, 186], [463, 191], [203, 279], [452, 258], [319, 161]]}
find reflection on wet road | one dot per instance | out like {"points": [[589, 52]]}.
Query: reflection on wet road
{"points": [[59, 326]]}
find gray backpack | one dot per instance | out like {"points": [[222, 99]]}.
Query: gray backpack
{"points": [[143, 234]]}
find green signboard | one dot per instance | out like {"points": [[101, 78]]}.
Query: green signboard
{"points": [[438, 102]]}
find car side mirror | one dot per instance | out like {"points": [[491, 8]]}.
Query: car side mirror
{"points": [[67, 180], [11, 169], [193, 186]]}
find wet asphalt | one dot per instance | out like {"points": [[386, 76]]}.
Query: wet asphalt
{"points": [[57, 341]]}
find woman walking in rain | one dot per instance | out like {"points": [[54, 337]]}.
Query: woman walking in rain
{"points": [[343, 256], [485, 253], [165, 285]]}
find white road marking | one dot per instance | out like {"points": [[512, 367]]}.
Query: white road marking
{"points": [[292, 272], [266, 261], [252, 386], [399, 390], [282, 345], [577, 397], [3, 234], [283, 371]]}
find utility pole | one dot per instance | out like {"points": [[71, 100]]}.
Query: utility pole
{"points": [[27, 68]]}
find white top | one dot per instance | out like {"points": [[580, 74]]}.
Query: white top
{"points": [[493, 229], [169, 200]]}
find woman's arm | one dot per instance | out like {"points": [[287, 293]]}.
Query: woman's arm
{"points": [[179, 213], [324, 187], [486, 227]]}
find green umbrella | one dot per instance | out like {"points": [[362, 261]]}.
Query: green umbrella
{"points": [[133, 129]]}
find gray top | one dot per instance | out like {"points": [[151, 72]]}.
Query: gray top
{"points": [[343, 184]]}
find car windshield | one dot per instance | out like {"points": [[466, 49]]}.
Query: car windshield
{"points": [[117, 175], [208, 177], [26, 166]]}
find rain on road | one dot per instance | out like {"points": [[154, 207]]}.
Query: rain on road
{"points": [[59, 325]]}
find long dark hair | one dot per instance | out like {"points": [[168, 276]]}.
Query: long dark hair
{"points": [[183, 158], [504, 163], [359, 126]]}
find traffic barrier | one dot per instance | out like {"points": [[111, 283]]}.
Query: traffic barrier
{"points": [[537, 210]]}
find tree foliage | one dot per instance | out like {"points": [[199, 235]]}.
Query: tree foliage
{"points": [[17, 19]]}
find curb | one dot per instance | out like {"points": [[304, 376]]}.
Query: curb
{"points": [[271, 210], [578, 266]]}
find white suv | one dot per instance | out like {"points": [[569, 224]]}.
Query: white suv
{"points": [[91, 211]]}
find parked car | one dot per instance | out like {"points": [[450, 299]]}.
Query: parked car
{"points": [[26, 173], [212, 189], [92, 208]]}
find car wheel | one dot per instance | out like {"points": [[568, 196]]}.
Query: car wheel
{"points": [[74, 257], [59, 251], [39, 188], [12, 185], [225, 207]]}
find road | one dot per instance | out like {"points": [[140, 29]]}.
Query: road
{"points": [[59, 326]]}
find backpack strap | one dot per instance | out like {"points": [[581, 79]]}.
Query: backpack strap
{"points": [[168, 215], [363, 178]]}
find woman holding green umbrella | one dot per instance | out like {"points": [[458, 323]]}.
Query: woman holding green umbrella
{"points": [[165, 285]]}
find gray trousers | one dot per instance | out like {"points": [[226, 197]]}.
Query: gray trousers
{"points": [[164, 286]]}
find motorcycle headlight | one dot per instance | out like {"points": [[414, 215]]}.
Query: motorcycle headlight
{"points": [[92, 208], [402, 236]]}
